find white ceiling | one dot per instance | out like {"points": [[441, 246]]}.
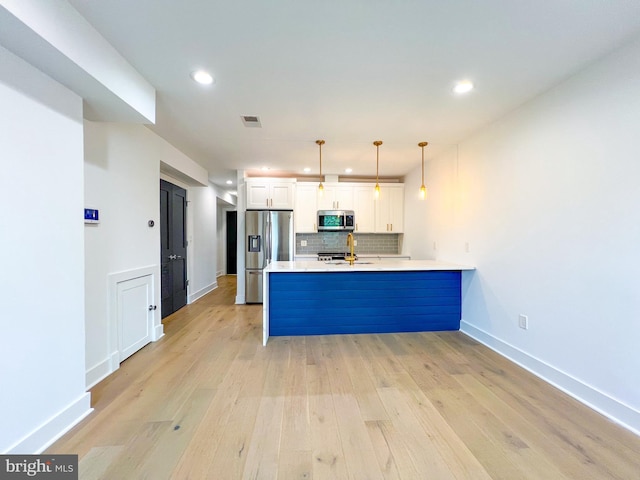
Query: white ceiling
{"points": [[348, 71]]}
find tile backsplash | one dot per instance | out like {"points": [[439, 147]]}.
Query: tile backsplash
{"points": [[337, 242]]}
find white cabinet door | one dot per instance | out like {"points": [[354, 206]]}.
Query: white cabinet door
{"points": [[281, 194], [306, 209], [336, 197], [326, 199], [134, 314], [257, 195], [389, 209], [363, 208], [396, 208], [343, 197], [270, 194]]}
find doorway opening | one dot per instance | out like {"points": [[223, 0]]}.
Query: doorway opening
{"points": [[232, 241]]}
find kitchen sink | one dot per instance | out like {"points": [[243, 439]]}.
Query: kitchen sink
{"points": [[344, 262]]}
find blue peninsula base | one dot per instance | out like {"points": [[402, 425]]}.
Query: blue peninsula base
{"points": [[321, 303]]}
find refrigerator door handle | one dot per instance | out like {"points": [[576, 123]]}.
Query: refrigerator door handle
{"points": [[267, 245]]}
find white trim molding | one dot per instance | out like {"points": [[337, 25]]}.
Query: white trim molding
{"points": [[54, 428], [202, 292], [611, 408], [102, 370]]}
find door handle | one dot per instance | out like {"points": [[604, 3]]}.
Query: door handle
{"points": [[152, 307], [172, 257]]}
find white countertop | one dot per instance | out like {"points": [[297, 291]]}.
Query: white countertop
{"points": [[364, 266], [359, 255]]}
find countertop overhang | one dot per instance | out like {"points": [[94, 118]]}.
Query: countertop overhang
{"points": [[365, 266]]}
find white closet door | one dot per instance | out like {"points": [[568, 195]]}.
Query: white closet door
{"points": [[134, 316]]}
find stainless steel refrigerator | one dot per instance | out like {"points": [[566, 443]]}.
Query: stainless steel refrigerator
{"points": [[269, 237]]}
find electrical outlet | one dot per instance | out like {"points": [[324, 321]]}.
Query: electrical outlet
{"points": [[523, 321], [355, 243], [435, 245], [467, 247], [303, 243]]}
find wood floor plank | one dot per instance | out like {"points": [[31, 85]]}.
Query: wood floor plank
{"points": [[263, 451], [356, 444], [359, 453], [328, 460], [200, 451], [492, 455], [390, 451], [94, 465], [296, 433], [452, 449], [209, 401], [262, 455], [165, 454], [134, 454], [420, 445], [364, 389]]}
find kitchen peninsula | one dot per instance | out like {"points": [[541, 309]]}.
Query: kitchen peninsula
{"points": [[318, 298]]}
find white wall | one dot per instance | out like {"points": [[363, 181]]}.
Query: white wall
{"points": [[203, 211], [547, 199], [41, 235], [221, 234], [122, 180]]}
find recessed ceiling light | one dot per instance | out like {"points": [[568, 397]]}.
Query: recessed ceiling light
{"points": [[233, 193], [202, 77], [463, 86], [307, 169], [264, 169], [229, 182], [348, 170]]}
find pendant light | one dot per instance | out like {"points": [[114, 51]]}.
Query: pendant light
{"points": [[423, 189], [320, 186], [377, 143]]}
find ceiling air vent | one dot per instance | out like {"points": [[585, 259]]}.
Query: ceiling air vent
{"points": [[251, 121]]}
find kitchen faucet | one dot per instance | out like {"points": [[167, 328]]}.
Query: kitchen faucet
{"points": [[350, 244]]}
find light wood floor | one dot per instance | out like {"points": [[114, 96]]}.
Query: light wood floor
{"points": [[209, 402]]}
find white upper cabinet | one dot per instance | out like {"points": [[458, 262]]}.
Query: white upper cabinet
{"points": [[270, 193], [336, 197], [389, 208], [306, 209], [363, 208], [382, 215]]}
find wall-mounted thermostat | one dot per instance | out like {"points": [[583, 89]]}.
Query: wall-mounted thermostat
{"points": [[91, 215]]}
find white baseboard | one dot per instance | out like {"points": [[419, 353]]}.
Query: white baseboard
{"points": [[202, 292], [240, 300], [611, 408], [158, 332], [51, 430], [219, 273], [102, 370]]}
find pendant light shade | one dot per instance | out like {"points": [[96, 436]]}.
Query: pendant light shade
{"points": [[320, 186], [423, 189], [377, 143]]}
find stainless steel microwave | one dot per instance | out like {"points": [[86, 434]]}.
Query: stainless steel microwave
{"points": [[336, 220]]}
